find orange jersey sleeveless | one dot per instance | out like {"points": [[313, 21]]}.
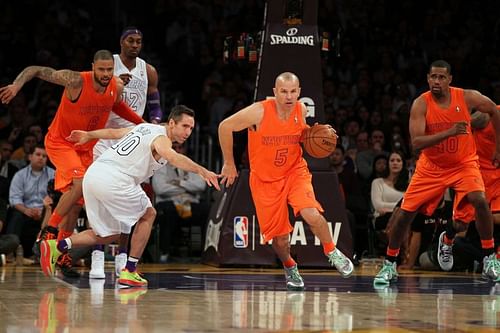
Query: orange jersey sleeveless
{"points": [[89, 112], [455, 149], [274, 148]]}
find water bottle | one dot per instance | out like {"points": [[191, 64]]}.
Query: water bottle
{"points": [[19, 255]]}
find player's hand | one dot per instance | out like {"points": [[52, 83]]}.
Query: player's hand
{"points": [[78, 137], [459, 128], [7, 93], [126, 77], [229, 174], [210, 177]]}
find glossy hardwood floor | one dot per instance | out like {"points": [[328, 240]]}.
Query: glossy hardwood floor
{"points": [[199, 298]]}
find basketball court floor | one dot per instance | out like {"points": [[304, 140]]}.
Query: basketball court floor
{"points": [[200, 298]]}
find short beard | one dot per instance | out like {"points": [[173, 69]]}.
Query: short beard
{"points": [[437, 94], [104, 85]]}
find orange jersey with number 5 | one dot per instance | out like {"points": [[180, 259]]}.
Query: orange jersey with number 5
{"points": [[455, 149], [274, 148]]}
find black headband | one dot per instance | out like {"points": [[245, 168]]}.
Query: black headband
{"points": [[132, 31]]}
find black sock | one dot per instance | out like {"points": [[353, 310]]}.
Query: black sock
{"points": [[487, 252], [391, 258]]}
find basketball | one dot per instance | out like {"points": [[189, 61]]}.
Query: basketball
{"points": [[319, 141]]}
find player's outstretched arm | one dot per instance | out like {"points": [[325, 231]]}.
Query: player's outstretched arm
{"points": [[163, 146], [79, 137], [67, 78]]}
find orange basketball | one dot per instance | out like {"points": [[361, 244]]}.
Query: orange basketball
{"points": [[320, 140]]}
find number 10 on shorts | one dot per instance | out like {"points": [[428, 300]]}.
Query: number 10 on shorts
{"points": [[240, 231]]}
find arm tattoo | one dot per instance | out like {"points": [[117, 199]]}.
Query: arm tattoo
{"points": [[64, 77]]}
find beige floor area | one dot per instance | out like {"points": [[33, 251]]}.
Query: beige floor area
{"points": [[30, 302]]}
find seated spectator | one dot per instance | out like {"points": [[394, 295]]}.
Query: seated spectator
{"points": [[178, 202], [387, 190], [7, 168], [351, 131], [27, 192], [37, 131], [20, 156]]}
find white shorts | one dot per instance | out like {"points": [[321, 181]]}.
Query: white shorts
{"points": [[114, 203]]}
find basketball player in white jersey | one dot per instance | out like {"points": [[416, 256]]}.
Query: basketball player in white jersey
{"points": [[112, 187], [141, 89]]}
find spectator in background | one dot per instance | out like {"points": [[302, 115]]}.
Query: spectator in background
{"points": [[386, 191], [355, 202], [27, 192], [351, 130], [37, 131], [20, 156], [178, 202], [364, 159], [17, 122], [8, 242], [7, 169]]}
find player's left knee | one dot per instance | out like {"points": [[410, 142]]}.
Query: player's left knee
{"points": [[312, 216]]}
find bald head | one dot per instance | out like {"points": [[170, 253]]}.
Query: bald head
{"points": [[286, 91], [286, 77]]}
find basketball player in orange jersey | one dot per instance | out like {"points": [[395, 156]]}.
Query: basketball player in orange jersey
{"points": [[278, 174], [484, 136], [86, 103], [440, 127]]}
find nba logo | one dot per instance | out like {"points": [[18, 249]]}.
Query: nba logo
{"points": [[240, 232]]}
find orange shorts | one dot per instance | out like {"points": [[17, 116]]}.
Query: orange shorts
{"points": [[69, 163], [271, 201], [491, 179], [429, 183]]}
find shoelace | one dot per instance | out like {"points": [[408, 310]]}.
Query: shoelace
{"points": [[336, 260], [493, 264], [294, 275], [386, 270], [65, 260], [447, 252]]}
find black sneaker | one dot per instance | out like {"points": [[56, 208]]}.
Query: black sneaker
{"points": [[65, 264]]}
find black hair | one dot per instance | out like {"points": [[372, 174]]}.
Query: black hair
{"points": [[402, 180], [441, 64], [38, 145]]}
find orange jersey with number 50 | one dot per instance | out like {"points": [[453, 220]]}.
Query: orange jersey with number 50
{"points": [[274, 148], [455, 149]]}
